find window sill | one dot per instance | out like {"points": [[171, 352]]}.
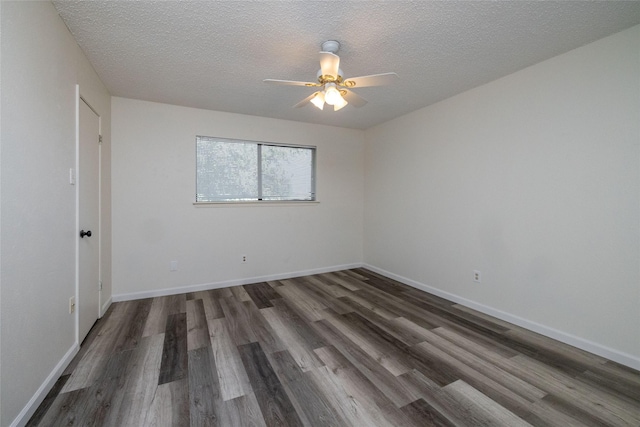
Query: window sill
{"points": [[269, 203]]}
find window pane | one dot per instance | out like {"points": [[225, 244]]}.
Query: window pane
{"points": [[287, 173], [236, 170], [226, 171]]}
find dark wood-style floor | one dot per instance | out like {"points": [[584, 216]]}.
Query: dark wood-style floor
{"points": [[350, 348]]}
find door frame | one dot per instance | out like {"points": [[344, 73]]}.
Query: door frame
{"points": [[79, 99]]}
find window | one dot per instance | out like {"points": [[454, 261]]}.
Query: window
{"points": [[230, 170]]}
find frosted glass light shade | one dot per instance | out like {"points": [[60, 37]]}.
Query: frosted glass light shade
{"points": [[331, 94], [340, 104], [318, 100]]}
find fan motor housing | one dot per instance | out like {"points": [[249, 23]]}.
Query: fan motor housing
{"points": [[329, 79]]}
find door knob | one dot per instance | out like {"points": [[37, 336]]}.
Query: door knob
{"points": [[85, 233]]}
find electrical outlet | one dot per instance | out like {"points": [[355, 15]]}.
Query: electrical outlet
{"points": [[173, 266], [72, 305], [244, 259], [477, 276]]}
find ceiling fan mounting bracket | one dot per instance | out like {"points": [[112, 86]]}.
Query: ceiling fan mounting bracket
{"points": [[331, 46]]}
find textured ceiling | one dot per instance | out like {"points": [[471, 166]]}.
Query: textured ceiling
{"points": [[215, 54]]}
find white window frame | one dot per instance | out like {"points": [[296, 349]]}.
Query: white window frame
{"points": [[259, 199]]}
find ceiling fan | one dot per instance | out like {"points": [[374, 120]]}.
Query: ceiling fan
{"points": [[335, 88]]}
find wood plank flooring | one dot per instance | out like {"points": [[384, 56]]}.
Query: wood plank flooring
{"points": [[349, 348]]}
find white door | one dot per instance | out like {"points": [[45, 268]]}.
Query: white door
{"points": [[88, 300]]}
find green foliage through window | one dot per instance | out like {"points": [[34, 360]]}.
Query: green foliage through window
{"points": [[234, 170]]}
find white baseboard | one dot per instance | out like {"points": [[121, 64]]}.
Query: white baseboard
{"points": [[581, 343], [227, 283], [567, 338], [30, 408]]}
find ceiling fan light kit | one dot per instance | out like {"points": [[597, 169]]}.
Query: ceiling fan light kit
{"points": [[335, 89]]}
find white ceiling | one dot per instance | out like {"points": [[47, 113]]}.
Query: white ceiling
{"points": [[215, 54]]}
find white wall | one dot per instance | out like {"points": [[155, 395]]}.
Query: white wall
{"points": [[155, 221], [41, 65], [533, 179]]}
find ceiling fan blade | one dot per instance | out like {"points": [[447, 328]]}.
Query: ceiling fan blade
{"points": [[372, 80], [290, 83], [354, 99], [305, 101], [329, 64]]}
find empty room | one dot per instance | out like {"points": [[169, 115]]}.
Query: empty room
{"points": [[319, 213]]}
